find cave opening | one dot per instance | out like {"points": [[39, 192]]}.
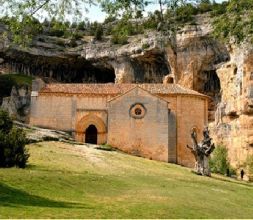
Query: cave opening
{"points": [[212, 88], [63, 70], [100, 75]]}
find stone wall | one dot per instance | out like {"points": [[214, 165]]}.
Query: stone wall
{"points": [[64, 111], [144, 134], [161, 134], [190, 112]]}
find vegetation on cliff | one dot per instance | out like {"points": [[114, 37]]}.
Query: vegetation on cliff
{"points": [[24, 22], [235, 22]]}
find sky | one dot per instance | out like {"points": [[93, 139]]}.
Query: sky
{"points": [[95, 13]]}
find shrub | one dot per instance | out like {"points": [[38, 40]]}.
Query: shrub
{"points": [[145, 46], [234, 22], [81, 26], [185, 13], [119, 38], [99, 32], [151, 22], [219, 161], [124, 29], [249, 166], [12, 143]]}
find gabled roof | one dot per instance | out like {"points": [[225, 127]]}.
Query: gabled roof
{"points": [[136, 88], [117, 89]]}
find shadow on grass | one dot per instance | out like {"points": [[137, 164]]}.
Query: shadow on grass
{"points": [[10, 196]]}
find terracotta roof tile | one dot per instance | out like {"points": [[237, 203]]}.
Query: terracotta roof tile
{"points": [[116, 89]]}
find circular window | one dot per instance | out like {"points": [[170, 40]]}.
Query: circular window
{"points": [[137, 111]]}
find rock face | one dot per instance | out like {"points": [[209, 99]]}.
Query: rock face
{"points": [[197, 62], [233, 126], [35, 134], [18, 104]]}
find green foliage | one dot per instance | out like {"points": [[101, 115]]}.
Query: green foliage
{"points": [[236, 21], [119, 38], [23, 30], [152, 21], [119, 8], [99, 32], [219, 161], [81, 26], [57, 28], [249, 165], [205, 6], [121, 31], [12, 143], [109, 19], [185, 13], [219, 9], [145, 46], [5, 122]]}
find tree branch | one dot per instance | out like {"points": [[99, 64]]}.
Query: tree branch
{"points": [[41, 6]]}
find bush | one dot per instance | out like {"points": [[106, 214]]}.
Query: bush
{"points": [[185, 13], [99, 32], [12, 143], [234, 22], [219, 161], [119, 38], [249, 166]]}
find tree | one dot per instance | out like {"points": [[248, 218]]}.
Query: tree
{"points": [[219, 162], [12, 143], [24, 14], [99, 32]]}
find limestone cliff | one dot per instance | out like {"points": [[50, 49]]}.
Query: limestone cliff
{"points": [[18, 103], [197, 61], [234, 114]]}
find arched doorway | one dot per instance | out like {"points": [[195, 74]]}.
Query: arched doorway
{"points": [[91, 135], [85, 122]]}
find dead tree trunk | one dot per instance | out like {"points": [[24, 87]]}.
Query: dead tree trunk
{"points": [[201, 152]]}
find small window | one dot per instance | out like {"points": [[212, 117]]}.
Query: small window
{"points": [[137, 111]]}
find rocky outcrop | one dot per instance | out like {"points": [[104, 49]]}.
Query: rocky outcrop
{"points": [[18, 104], [234, 115], [197, 62], [35, 134]]}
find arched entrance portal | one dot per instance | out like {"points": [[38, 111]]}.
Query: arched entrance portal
{"points": [[91, 135], [92, 126]]}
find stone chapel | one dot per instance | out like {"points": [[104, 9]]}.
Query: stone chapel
{"points": [[149, 120]]}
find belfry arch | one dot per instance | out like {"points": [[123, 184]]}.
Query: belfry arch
{"points": [[88, 123]]}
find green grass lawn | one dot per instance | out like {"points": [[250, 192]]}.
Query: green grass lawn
{"points": [[70, 181]]}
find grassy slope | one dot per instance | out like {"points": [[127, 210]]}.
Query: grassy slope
{"points": [[65, 181]]}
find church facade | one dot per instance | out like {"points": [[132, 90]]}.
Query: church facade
{"points": [[149, 120]]}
